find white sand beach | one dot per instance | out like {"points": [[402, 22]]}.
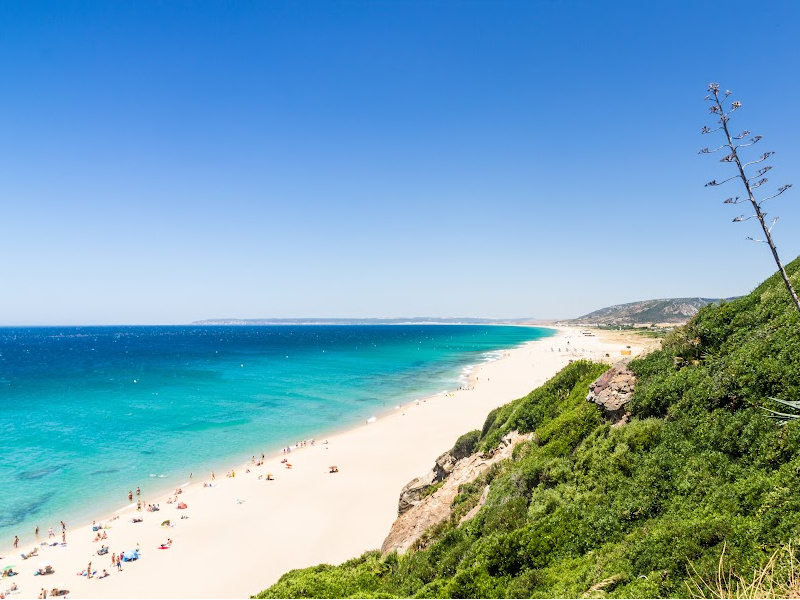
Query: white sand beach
{"points": [[244, 532]]}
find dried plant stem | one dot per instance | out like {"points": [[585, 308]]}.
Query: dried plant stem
{"points": [[777, 578], [759, 214]]}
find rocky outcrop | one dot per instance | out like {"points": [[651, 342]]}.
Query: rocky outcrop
{"points": [[413, 492], [419, 512], [612, 391], [444, 465]]}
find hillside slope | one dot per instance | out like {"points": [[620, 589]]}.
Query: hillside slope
{"points": [[587, 509], [666, 310]]}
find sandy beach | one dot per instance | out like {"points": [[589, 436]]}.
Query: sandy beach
{"points": [[242, 533]]}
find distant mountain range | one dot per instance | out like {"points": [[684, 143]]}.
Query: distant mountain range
{"points": [[328, 321], [665, 310]]}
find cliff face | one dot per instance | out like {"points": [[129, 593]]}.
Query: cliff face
{"points": [[419, 510], [413, 492], [427, 501]]}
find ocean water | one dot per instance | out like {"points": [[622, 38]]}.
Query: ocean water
{"points": [[88, 413]]}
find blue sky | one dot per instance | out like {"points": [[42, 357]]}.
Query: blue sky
{"points": [[162, 162]]}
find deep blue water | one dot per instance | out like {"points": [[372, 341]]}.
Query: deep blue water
{"points": [[87, 413]]}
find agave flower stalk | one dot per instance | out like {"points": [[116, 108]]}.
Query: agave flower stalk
{"points": [[751, 183]]}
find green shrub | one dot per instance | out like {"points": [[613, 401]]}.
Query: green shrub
{"points": [[466, 444], [589, 509]]}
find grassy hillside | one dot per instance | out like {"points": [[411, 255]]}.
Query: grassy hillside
{"points": [[637, 511]]}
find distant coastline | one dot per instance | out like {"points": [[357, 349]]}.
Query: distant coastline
{"points": [[369, 321]]}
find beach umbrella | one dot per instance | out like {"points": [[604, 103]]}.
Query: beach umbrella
{"points": [[8, 568]]}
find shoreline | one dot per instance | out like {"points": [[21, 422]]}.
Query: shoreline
{"points": [[168, 476], [387, 411], [314, 516]]}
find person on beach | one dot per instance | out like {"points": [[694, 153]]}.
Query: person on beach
{"points": [[50, 533], [89, 571], [16, 541], [113, 559], [36, 533], [119, 563], [212, 476], [63, 537], [130, 496], [63, 526], [138, 491]]}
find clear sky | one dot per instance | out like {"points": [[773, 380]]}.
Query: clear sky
{"points": [[162, 162]]}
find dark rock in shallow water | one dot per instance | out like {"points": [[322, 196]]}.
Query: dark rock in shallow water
{"points": [[612, 391], [18, 514], [29, 475], [104, 472]]}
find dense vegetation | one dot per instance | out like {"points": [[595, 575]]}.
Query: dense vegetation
{"points": [[635, 511]]}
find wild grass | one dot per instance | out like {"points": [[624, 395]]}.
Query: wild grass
{"points": [[779, 577]]}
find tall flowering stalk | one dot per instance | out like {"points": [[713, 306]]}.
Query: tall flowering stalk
{"points": [[751, 183]]}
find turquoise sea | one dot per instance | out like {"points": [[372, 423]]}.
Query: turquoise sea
{"points": [[88, 413]]}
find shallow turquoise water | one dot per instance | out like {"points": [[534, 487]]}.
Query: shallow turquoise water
{"points": [[87, 414]]}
